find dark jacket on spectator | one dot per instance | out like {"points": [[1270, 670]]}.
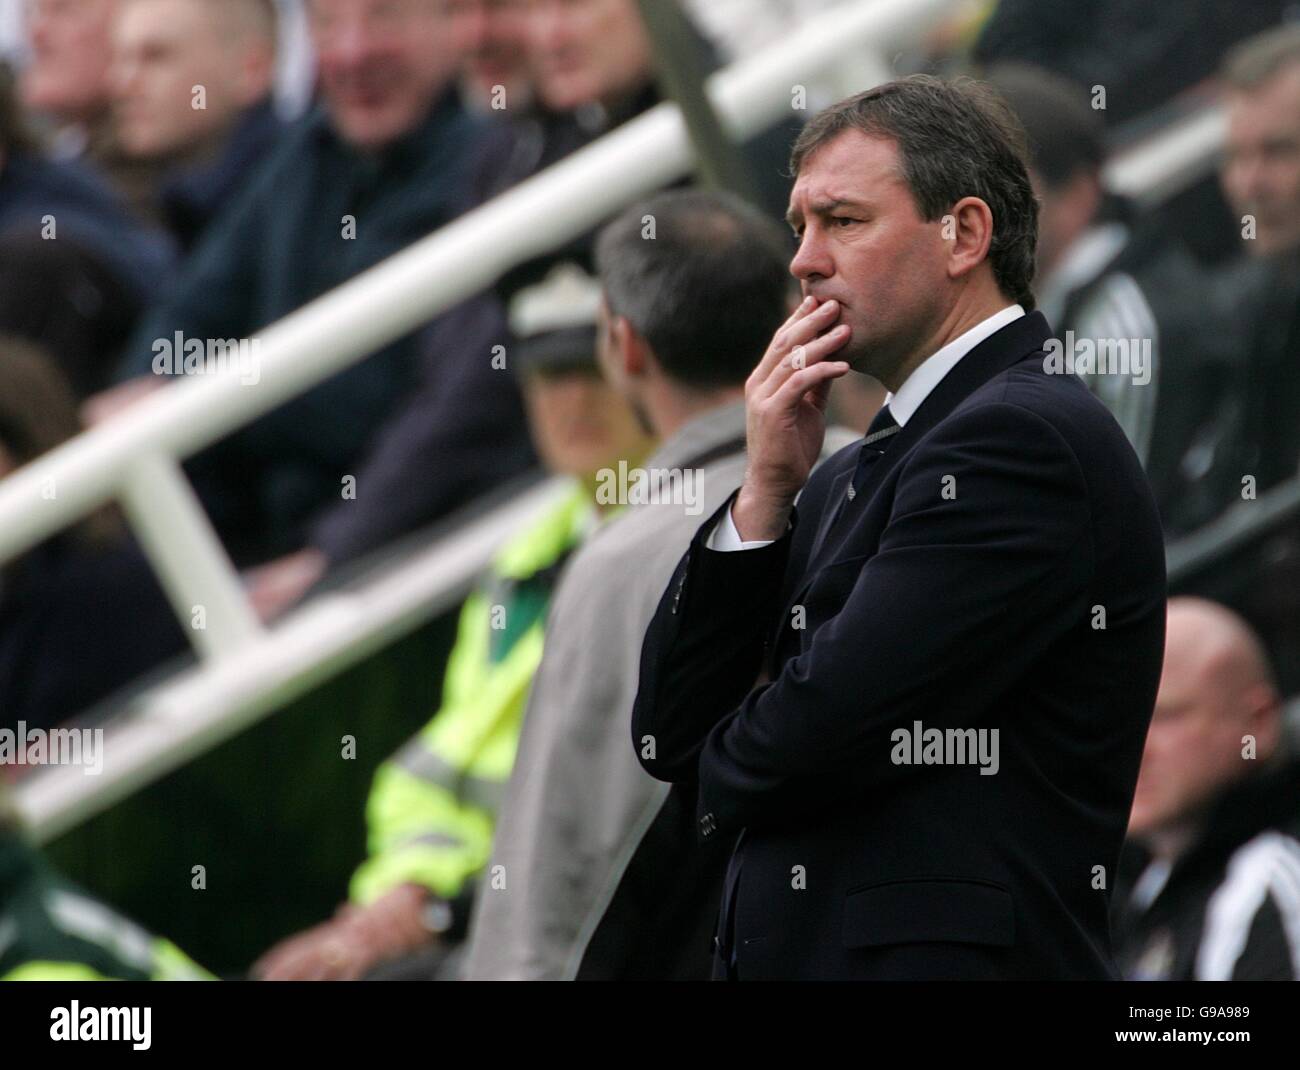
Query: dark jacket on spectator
{"points": [[1186, 422], [66, 299], [1259, 303], [317, 213], [35, 191], [191, 198], [76, 624], [461, 432], [1229, 906]]}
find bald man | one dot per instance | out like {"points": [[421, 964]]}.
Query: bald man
{"points": [[1211, 885], [191, 88]]}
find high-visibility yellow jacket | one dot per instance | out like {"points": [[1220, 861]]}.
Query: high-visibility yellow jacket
{"points": [[52, 931], [433, 804]]}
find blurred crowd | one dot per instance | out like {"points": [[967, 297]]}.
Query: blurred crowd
{"points": [[162, 202]]}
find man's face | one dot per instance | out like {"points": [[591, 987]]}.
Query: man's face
{"points": [[579, 423], [381, 64], [863, 243], [68, 74], [588, 51], [162, 49], [1194, 746], [1261, 167], [495, 33]]}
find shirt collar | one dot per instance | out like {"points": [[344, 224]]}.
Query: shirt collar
{"points": [[1082, 262], [930, 372]]}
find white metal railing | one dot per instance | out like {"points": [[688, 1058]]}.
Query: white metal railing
{"points": [[136, 458], [131, 457]]}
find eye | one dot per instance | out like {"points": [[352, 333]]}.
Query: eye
{"points": [[843, 220]]}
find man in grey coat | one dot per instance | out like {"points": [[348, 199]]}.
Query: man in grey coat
{"points": [[695, 284]]}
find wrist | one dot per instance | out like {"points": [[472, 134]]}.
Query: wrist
{"points": [[758, 516]]}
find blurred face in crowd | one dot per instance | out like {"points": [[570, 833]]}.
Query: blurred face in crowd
{"points": [[579, 423], [1065, 212], [1261, 168], [68, 77], [495, 36], [588, 51], [863, 243], [381, 64], [1211, 696], [163, 49]]}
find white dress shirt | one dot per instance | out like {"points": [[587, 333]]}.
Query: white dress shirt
{"points": [[915, 389]]}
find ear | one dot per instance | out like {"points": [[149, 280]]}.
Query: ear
{"points": [[630, 349], [1264, 718], [968, 228], [255, 75]]}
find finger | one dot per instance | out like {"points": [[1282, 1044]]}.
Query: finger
{"points": [[807, 333], [780, 344], [801, 357], [801, 382]]}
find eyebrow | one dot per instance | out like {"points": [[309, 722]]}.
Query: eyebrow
{"points": [[822, 208]]}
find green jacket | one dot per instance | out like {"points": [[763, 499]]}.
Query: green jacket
{"points": [[433, 805], [52, 931]]}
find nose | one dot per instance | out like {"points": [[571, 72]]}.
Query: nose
{"points": [[812, 260], [545, 24], [348, 43], [475, 26]]}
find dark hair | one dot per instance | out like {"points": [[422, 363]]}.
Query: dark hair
{"points": [[707, 291], [38, 412], [955, 139], [1066, 137]]}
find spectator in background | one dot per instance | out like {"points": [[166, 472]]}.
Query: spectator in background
{"points": [[88, 590], [191, 84], [460, 433], [1261, 177], [593, 67], [1259, 296], [433, 806], [64, 299], [59, 221], [495, 76], [1210, 882], [67, 87], [583, 829], [53, 931], [383, 161], [1106, 277]]}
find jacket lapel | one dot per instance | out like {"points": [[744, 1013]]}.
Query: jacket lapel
{"points": [[991, 357]]}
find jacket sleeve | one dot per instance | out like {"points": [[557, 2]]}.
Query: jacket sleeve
{"points": [[213, 294], [967, 587], [459, 434], [704, 647]]}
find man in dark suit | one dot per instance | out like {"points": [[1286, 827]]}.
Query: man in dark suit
{"points": [[959, 628]]}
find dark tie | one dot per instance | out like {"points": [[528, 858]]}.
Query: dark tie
{"points": [[879, 436]]}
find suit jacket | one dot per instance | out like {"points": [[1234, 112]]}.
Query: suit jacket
{"points": [[999, 568]]}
